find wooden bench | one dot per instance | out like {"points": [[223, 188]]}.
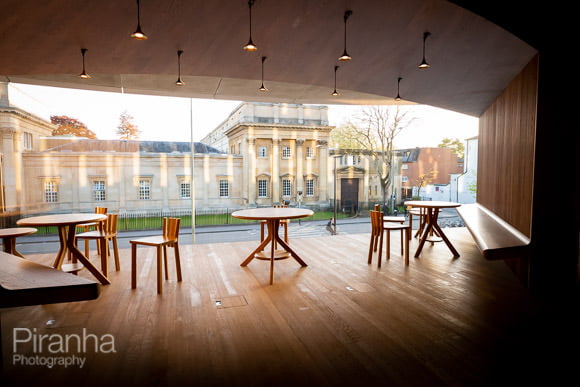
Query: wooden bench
{"points": [[24, 283], [496, 238]]}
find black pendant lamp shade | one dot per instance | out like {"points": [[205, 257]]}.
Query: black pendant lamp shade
{"points": [[250, 46], [138, 34], [335, 93], [179, 82], [84, 74], [345, 56], [424, 64], [262, 87]]}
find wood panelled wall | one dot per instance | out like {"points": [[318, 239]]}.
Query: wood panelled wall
{"points": [[505, 173], [507, 132]]}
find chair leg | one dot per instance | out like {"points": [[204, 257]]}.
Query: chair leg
{"points": [[159, 269], [177, 261], [133, 265], [165, 262], [388, 236], [104, 256], [87, 248], [286, 232], [407, 234], [116, 252], [371, 245], [401, 241], [380, 258]]}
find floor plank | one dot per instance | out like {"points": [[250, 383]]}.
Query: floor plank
{"points": [[439, 321]]}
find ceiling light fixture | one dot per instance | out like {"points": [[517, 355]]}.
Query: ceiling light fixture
{"points": [[262, 88], [138, 34], [179, 81], [345, 55], [250, 46], [335, 93], [84, 74], [424, 64], [398, 97]]}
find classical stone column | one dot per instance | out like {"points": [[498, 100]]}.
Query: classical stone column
{"points": [[299, 165], [245, 170], [251, 185], [275, 170], [323, 166]]}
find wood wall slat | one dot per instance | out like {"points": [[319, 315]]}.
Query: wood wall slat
{"points": [[506, 151]]}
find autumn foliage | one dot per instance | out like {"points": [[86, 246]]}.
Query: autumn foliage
{"points": [[71, 126], [127, 130]]}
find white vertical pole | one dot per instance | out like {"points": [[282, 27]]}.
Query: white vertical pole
{"points": [[192, 147]]}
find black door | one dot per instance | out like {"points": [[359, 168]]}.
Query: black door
{"points": [[349, 195]]}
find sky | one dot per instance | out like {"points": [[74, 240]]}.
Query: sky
{"points": [[169, 118]]}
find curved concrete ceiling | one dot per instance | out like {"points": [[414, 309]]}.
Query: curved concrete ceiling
{"points": [[472, 59]]}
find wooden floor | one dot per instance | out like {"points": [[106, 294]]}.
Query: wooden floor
{"points": [[339, 321]]}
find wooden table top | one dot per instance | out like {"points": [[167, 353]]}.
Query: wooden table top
{"points": [[61, 219], [23, 282], [16, 231], [431, 204], [272, 213]]}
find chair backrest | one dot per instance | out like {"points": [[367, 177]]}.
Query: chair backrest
{"points": [[171, 228], [100, 210], [376, 222], [110, 226], [280, 206]]}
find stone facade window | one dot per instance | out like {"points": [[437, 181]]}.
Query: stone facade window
{"points": [[50, 191], [144, 189], [262, 151], [286, 152], [262, 188], [99, 190], [309, 187], [286, 187], [185, 190], [224, 188], [309, 152], [27, 141]]}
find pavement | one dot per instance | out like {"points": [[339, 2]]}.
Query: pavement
{"points": [[34, 244]]}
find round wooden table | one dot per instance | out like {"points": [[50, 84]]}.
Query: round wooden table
{"points": [[273, 216], [433, 208], [9, 236], [66, 224]]}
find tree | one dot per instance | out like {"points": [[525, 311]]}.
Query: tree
{"points": [[424, 179], [127, 130], [345, 137], [456, 146], [375, 130], [70, 126]]}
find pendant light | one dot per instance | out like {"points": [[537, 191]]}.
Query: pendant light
{"points": [[262, 87], [179, 82], [250, 46], [138, 34], [335, 93], [84, 74], [424, 64], [398, 97], [345, 56]]}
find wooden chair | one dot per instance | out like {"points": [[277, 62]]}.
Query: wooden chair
{"points": [[421, 213], [283, 223], [106, 231], [379, 227], [89, 227], [394, 219], [169, 238]]}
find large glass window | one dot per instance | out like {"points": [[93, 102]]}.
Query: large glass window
{"points": [[99, 193]]}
